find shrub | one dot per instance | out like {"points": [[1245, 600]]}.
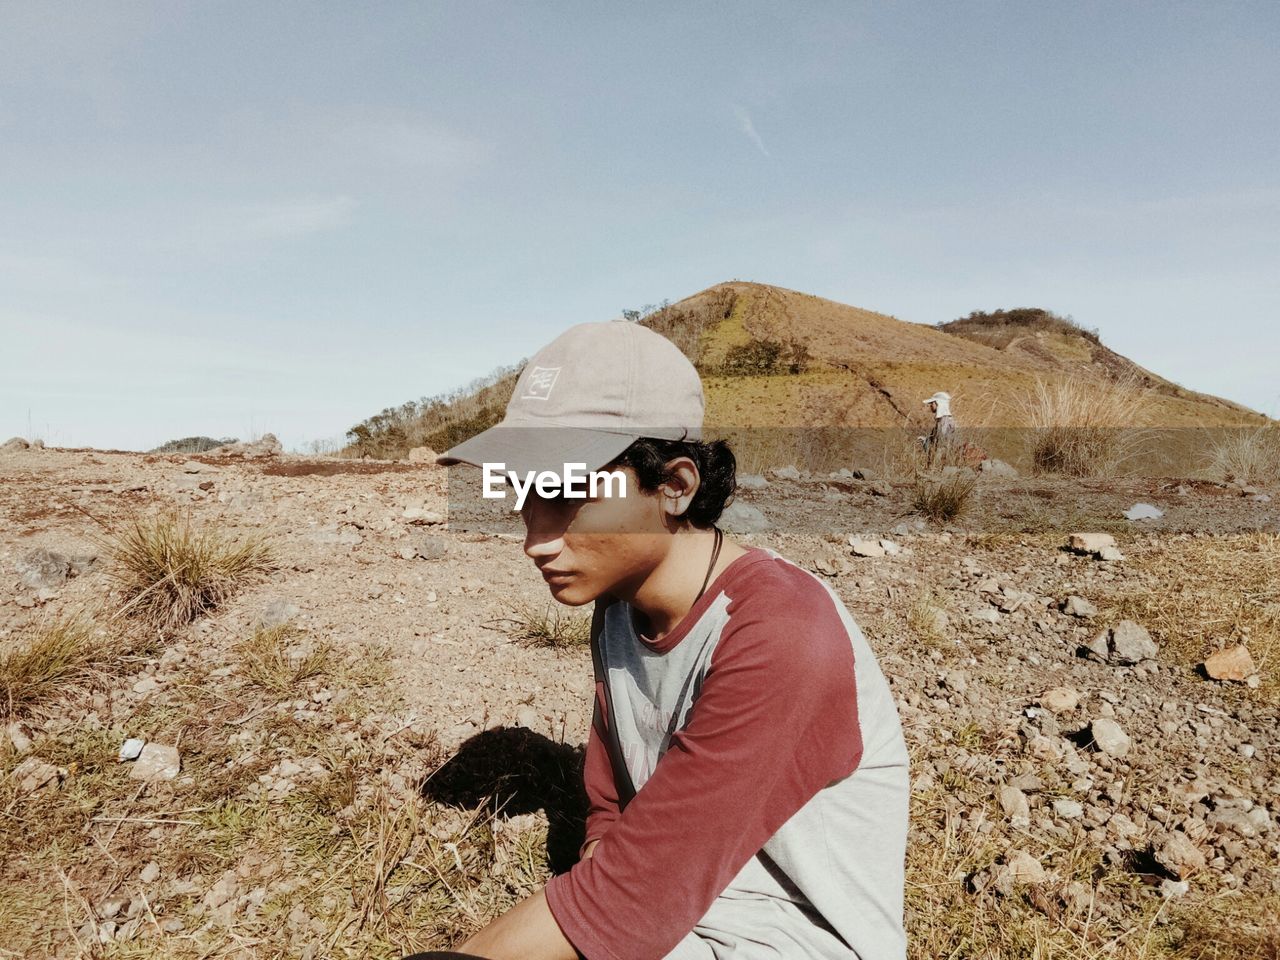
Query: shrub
{"points": [[765, 358], [946, 499], [171, 573], [1247, 456], [1084, 428]]}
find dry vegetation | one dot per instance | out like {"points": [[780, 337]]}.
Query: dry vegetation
{"points": [[57, 654], [1085, 428], [170, 572], [1247, 456], [1233, 598]]}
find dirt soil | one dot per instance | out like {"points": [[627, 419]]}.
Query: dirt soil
{"points": [[424, 777]]}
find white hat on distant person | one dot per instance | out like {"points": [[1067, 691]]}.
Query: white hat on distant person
{"points": [[943, 400]]}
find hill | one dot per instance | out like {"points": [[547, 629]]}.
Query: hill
{"points": [[778, 358]]}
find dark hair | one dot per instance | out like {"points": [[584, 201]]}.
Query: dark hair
{"points": [[717, 469]]}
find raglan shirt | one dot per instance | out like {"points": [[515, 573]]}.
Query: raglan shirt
{"points": [[771, 774]]}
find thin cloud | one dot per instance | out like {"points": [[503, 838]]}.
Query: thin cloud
{"points": [[298, 218], [749, 128]]}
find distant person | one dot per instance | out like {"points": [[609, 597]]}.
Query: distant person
{"points": [[745, 766], [944, 425]]}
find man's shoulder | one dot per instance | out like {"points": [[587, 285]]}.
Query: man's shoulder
{"points": [[776, 583]]}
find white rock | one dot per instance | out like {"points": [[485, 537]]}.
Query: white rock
{"points": [[741, 517], [131, 748], [157, 762], [1068, 809], [150, 873], [1144, 511], [1109, 737], [865, 548], [1090, 542], [752, 481]]}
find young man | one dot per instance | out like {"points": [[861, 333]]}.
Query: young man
{"points": [[745, 767]]}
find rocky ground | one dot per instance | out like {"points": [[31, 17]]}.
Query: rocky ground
{"points": [[322, 751]]}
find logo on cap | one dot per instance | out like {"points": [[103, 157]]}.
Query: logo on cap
{"points": [[537, 386]]}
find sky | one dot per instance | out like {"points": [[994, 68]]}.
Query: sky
{"points": [[230, 218]]}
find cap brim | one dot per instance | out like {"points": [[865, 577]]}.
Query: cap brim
{"points": [[526, 449]]}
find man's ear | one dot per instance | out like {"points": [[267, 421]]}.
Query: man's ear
{"points": [[677, 491]]}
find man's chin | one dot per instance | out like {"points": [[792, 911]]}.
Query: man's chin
{"points": [[571, 594]]}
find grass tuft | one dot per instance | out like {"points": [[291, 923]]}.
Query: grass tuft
{"points": [[55, 655], [1084, 428], [549, 627], [274, 660], [946, 499], [1247, 456], [171, 572]]}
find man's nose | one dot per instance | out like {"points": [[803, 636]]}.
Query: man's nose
{"points": [[543, 530]]}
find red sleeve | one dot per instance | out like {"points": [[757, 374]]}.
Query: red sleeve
{"points": [[602, 790], [775, 722]]}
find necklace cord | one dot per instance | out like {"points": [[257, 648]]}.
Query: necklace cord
{"points": [[715, 555]]}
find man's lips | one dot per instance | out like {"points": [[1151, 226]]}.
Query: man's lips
{"points": [[555, 576]]}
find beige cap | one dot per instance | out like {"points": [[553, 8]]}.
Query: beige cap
{"points": [[587, 396]]}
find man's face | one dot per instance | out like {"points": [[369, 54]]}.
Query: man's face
{"points": [[585, 548]]}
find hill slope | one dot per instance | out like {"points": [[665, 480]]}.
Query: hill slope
{"points": [[772, 357]]}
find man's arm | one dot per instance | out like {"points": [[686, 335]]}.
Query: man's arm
{"points": [[527, 931]]}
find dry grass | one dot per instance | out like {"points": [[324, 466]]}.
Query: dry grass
{"points": [[550, 627], [275, 660], [944, 499], [53, 656], [170, 572], [927, 619], [1247, 456], [1205, 593], [1084, 428]]}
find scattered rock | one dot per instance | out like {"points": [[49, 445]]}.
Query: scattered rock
{"points": [[1060, 699], [422, 455], [1131, 643], [34, 774], [19, 737], [1233, 663], [1109, 737], [131, 748], [46, 570], [14, 443], [1021, 869], [741, 517], [1125, 643], [277, 613], [1015, 806], [429, 546], [788, 472], [157, 762], [1144, 511], [865, 548], [1178, 855], [1110, 554], [997, 468], [1075, 606], [752, 481], [150, 873], [1087, 543]]}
